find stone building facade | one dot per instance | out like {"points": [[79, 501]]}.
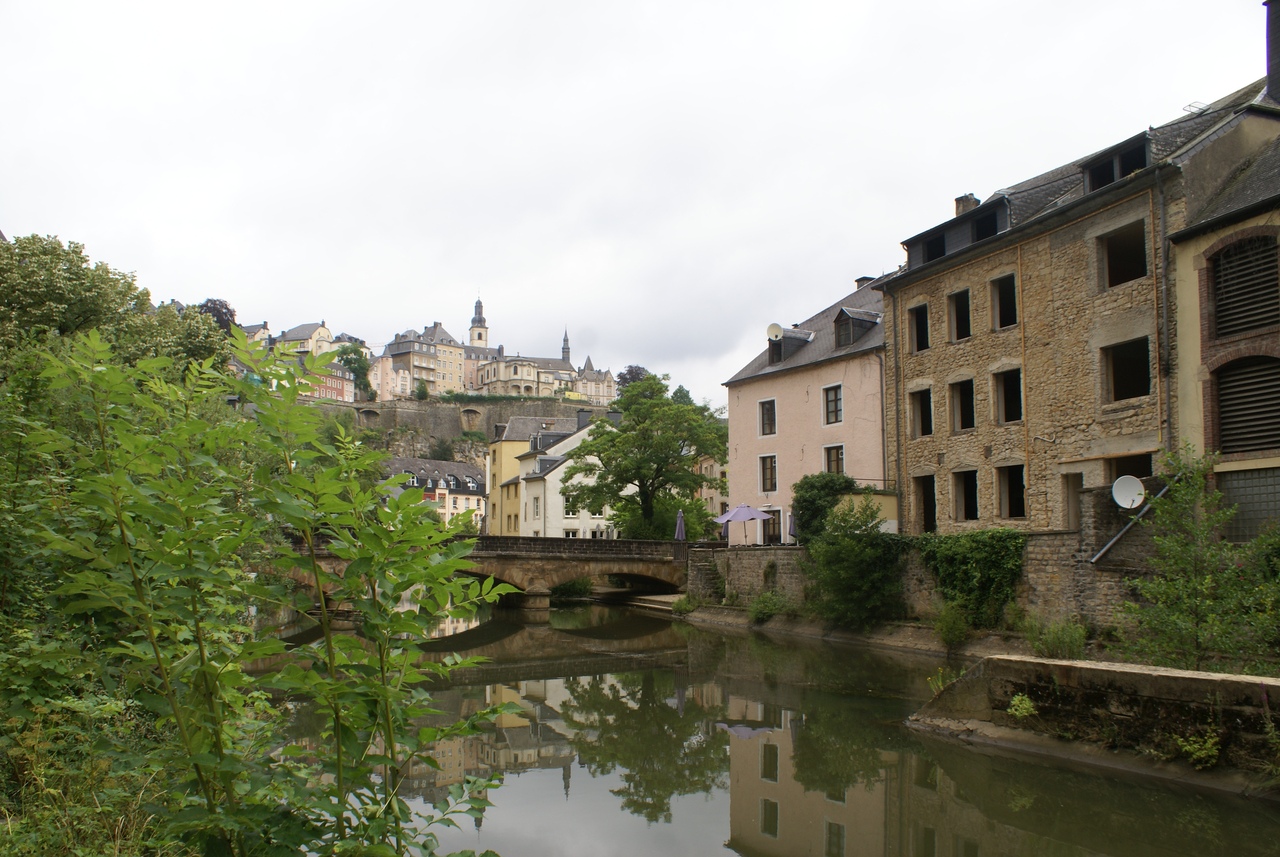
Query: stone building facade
{"points": [[1030, 340]]}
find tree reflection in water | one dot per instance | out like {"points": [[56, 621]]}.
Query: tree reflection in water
{"points": [[666, 749], [839, 744]]}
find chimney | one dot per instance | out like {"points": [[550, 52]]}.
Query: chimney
{"points": [[862, 281], [1273, 51], [584, 418], [965, 204]]}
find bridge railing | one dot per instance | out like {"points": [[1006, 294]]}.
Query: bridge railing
{"points": [[585, 548]]}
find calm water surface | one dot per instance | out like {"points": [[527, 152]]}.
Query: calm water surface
{"points": [[639, 737]]}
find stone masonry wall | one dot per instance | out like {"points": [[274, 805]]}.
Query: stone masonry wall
{"points": [[746, 572]]}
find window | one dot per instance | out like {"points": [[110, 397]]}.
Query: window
{"points": [[570, 534], [1072, 490], [965, 489], [1127, 370], [1124, 254], [833, 409], [926, 843], [1004, 302], [537, 507], [413, 479], [1246, 286], [772, 527], [959, 307], [1013, 491], [769, 762], [926, 504], [775, 351], [962, 410], [768, 473], [455, 503], [965, 847], [1117, 166], [834, 459], [922, 413], [570, 511], [769, 417], [1009, 396], [1130, 465], [833, 845], [985, 226], [1249, 405], [935, 247], [844, 331], [769, 817], [918, 327]]}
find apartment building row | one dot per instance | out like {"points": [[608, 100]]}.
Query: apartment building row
{"points": [[1062, 332]]}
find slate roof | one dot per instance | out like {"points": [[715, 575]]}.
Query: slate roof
{"points": [[1051, 190], [251, 329], [822, 346], [523, 428], [302, 331], [430, 468], [1255, 185]]}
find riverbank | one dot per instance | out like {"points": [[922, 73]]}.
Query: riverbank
{"points": [[1208, 730]]}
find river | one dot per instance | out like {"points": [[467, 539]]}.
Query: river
{"points": [[637, 736]]}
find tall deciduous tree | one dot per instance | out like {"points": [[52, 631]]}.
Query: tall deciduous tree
{"points": [[352, 357], [630, 375], [220, 311], [652, 453]]}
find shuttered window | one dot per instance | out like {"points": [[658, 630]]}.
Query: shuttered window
{"points": [[1246, 286], [1249, 405]]}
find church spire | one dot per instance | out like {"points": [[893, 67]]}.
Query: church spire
{"points": [[479, 330], [564, 349]]}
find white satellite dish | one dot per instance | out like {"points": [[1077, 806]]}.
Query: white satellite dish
{"points": [[1128, 492], [774, 332]]}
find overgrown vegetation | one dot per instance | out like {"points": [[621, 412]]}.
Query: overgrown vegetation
{"points": [[1208, 603], [1021, 707], [812, 499], [977, 571], [1062, 640], [768, 604], [135, 504], [579, 588], [952, 626], [856, 569]]}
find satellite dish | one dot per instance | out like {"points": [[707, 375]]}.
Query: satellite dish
{"points": [[1128, 492], [774, 332]]}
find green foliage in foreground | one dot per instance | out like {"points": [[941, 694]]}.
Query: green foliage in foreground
{"points": [[812, 499], [856, 572], [147, 500], [1209, 603]]}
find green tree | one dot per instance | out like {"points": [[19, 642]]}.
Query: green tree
{"points": [[653, 452], [352, 357], [856, 568], [1207, 603], [813, 498], [630, 375], [420, 391], [681, 396]]}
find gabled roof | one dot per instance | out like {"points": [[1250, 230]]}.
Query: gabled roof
{"points": [[431, 468], [866, 302], [1061, 186], [524, 428], [302, 331], [1255, 187]]}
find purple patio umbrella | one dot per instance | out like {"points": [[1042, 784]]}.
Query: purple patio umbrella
{"points": [[680, 525], [742, 512]]}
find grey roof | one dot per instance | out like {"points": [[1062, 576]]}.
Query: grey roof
{"points": [[251, 329], [1256, 185], [523, 428], [302, 331], [436, 469], [346, 337], [436, 333], [1050, 191], [822, 347]]}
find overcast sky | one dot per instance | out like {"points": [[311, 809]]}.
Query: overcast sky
{"points": [[661, 179]]}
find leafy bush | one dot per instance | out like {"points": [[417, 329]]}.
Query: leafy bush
{"points": [[1208, 604], [952, 626], [856, 569], [813, 498], [684, 605], [977, 571], [768, 604], [1063, 640], [580, 588], [1021, 707]]}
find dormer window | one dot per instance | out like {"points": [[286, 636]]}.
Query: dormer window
{"points": [[1117, 164], [935, 247], [985, 226], [844, 331], [413, 479], [471, 483], [453, 482], [775, 351]]}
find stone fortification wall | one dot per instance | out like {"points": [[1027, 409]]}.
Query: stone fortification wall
{"points": [[740, 574], [1126, 706]]}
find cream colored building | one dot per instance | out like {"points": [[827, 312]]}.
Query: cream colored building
{"points": [[310, 338], [510, 440], [433, 357], [810, 402], [453, 487], [544, 513], [1228, 346]]}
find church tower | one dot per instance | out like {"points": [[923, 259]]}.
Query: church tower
{"points": [[479, 331], [564, 349]]}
